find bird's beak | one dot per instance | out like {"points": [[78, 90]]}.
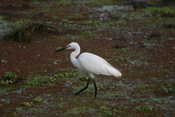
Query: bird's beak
{"points": [[59, 49]]}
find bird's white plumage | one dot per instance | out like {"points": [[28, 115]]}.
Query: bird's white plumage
{"points": [[91, 63], [97, 65]]}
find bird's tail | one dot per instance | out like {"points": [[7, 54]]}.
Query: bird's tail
{"points": [[115, 72]]}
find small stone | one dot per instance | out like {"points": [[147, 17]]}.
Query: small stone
{"points": [[38, 99], [68, 83], [3, 61], [27, 104], [108, 38], [57, 61]]}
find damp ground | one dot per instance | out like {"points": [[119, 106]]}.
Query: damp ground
{"points": [[36, 81]]}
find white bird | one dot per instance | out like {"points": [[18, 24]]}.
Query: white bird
{"points": [[90, 64]]}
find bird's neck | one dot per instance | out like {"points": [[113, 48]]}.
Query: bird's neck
{"points": [[75, 54]]}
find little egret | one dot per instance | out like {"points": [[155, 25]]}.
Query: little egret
{"points": [[90, 64]]}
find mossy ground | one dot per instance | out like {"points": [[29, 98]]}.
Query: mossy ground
{"points": [[139, 43]]}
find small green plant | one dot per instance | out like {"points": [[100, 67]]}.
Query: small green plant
{"points": [[87, 35], [124, 50], [168, 89], [66, 74], [27, 104], [8, 78], [19, 21], [121, 59], [65, 2], [161, 11], [9, 75], [77, 110], [104, 2], [156, 100], [39, 81], [1, 17], [143, 108], [106, 110], [19, 109], [38, 99], [92, 22], [142, 87]]}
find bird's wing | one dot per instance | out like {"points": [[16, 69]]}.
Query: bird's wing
{"points": [[97, 65]]}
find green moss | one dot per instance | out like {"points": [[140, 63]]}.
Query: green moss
{"points": [[27, 104], [19, 109], [38, 99], [66, 74], [77, 110], [161, 11], [87, 35], [167, 87], [104, 2], [8, 78], [45, 80], [1, 17], [157, 100], [9, 75], [65, 2], [123, 50], [39, 81], [142, 86], [20, 21], [74, 16], [92, 22], [105, 110], [144, 108]]}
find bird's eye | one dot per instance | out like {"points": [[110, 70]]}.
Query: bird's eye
{"points": [[68, 46]]}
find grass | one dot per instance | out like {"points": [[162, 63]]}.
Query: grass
{"points": [[144, 108], [39, 81], [20, 21], [47, 80], [19, 109], [101, 111], [104, 2], [87, 35], [65, 74], [1, 17], [120, 59], [100, 2], [65, 2], [38, 99], [130, 56], [124, 50], [105, 110], [77, 110], [27, 104], [142, 87], [114, 101], [35, 81], [168, 87], [9, 75], [8, 78], [161, 11]]}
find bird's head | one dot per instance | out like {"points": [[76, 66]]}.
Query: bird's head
{"points": [[70, 46]]}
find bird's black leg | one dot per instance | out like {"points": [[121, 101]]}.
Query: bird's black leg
{"points": [[95, 86], [77, 93]]}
